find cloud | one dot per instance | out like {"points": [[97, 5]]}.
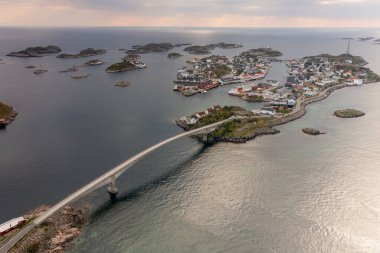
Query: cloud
{"points": [[182, 12]]}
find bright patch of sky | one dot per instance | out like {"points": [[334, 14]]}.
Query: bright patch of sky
{"points": [[258, 13]]}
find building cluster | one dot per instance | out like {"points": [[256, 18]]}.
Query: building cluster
{"points": [[187, 121], [308, 76], [207, 73]]}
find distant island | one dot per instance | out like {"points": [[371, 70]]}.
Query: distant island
{"points": [[366, 38], [36, 51], [262, 52], [124, 66], [349, 113], [82, 54], [153, 48], [7, 115], [174, 55], [208, 48]]}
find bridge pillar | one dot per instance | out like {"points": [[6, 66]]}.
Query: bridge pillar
{"points": [[205, 137], [112, 189]]}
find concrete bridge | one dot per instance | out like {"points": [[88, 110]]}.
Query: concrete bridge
{"points": [[107, 178]]}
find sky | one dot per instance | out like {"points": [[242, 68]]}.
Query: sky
{"points": [[191, 13]]}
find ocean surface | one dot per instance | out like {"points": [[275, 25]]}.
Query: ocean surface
{"points": [[284, 193]]}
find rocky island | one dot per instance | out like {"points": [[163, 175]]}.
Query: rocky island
{"points": [[365, 39], [40, 71], [173, 55], [208, 48], [312, 131], [153, 48], [122, 83], [124, 66], [93, 62], [80, 76], [71, 69], [349, 113], [7, 115], [82, 54], [36, 51]]}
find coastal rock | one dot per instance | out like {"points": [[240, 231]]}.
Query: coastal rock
{"points": [[40, 71], [55, 234], [36, 51], [349, 113], [82, 54], [123, 83], [94, 62], [7, 115], [71, 69], [31, 67], [257, 133], [80, 76], [312, 131]]}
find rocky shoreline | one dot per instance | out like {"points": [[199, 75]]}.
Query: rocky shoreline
{"points": [[298, 113], [7, 115], [55, 234], [257, 133]]}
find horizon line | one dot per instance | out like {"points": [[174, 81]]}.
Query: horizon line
{"points": [[203, 27]]}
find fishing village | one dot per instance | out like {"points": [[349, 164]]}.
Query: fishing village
{"points": [[308, 80]]}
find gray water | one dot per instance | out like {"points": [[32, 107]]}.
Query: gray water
{"points": [[284, 193]]}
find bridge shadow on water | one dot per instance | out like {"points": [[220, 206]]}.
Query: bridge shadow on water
{"points": [[147, 185]]}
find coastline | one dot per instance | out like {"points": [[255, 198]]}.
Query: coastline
{"points": [[297, 113], [55, 234]]}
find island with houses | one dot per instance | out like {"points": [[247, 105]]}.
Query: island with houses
{"points": [[309, 79]]}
